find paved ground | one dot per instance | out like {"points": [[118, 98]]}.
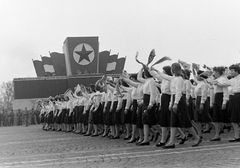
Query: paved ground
{"points": [[32, 147]]}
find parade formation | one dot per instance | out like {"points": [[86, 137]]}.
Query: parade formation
{"points": [[160, 105]]}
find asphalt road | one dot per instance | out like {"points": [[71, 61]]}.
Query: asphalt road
{"points": [[30, 147]]}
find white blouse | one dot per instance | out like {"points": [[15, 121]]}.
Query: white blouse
{"points": [[176, 86], [201, 90], [222, 89], [150, 88]]}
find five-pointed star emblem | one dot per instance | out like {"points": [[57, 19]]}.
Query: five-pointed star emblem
{"points": [[83, 54]]}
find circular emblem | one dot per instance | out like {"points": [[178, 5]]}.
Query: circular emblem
{"points": [[83, 54]]}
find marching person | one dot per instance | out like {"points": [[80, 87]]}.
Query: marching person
{"points": [[220, 100], [165, 100], [178, 107], [149, 117], [235, 109]]}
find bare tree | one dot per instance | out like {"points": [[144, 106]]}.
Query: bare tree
{"points": [[7, 93]]}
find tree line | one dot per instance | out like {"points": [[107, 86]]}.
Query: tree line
{"points": [[6, 95]]}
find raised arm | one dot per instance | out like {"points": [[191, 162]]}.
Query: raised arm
{"points": [[162, 75], [188, 89], [130, 82], [139, 76], [153, 92]]}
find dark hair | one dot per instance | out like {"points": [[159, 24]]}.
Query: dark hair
{"points": [[147, 74], [192, 81], [167, 70], [219, 69], [98, 88], [235, 67], [124, 83], [134, 76], [200, 74], [187, 74], [92, 86], [176, 69]]}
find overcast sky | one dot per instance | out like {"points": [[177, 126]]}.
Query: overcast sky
{"points": [[200, 31]]}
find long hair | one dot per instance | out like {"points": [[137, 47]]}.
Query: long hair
{"points": [[176, 69], [187, 74], [219, 69], [167, 70], [146, 73]]}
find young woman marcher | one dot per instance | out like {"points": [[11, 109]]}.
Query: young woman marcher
{"points": [[220, 100], [235, 102], [201, 113], [165, 100], [137, 96], [178, 106], [132, 81], [149, 117]]}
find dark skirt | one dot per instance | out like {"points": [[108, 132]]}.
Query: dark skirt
{"points": [[86, 117], [42, 118], [219, 115], [103, 115], [63, 114], [165, 114], [50, 117], [117, 117], [59, 117], [70, 117], [210, 109], [97, 115], [74, 113], [80, 118], [124, 102], [134, 112], [202, 116], [113, 112], [139, 116], [181, 117], [149, 117], [56, 118], [191, 108], [236, 108], [127, 116], [66, 117], [158, 111], [230, 107], [108, 117]]}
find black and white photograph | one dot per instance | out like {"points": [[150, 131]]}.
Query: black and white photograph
{"points": [[119, 84]]}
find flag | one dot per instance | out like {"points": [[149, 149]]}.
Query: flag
{"points": [[112, 62], [38, 65], [120, 65], [103, 61], [151, 56], [58, 61], [47, 64], [81, 55], [77, 89], [165, 58], [184, 65], [68, 93], [196, 66], [136, 58]]}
